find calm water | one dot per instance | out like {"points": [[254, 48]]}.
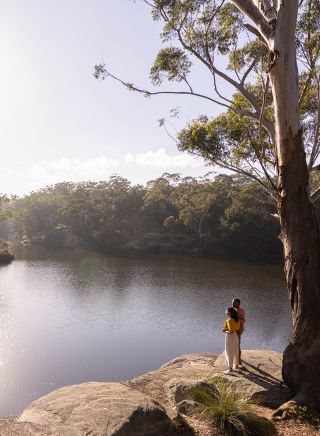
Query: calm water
{"points": [[74, 318]]}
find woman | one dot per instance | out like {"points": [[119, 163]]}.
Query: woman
{"points": [[231, 325]]}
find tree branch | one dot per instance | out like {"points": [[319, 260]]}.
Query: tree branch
{"points": [[102, 73], [255, 32], [268, 10], [260, 134], [316, 144], [305, 88], [238, 170], [252, 12], [249, 70], [214, 70], [241, 88]]}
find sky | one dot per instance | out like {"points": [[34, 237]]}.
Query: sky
{"points": [[58, 123]]}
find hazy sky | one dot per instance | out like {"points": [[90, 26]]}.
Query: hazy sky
{"points": [[58, 122]]}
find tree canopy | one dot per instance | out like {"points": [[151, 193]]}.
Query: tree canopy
{"points": [[171, 214]]}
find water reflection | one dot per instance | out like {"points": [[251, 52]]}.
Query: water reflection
{"points": [[77, 317]]}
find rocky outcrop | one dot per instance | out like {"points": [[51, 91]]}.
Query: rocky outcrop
{"points": [[259, 380], [260, 377], [156, 403], [100, 409], [187, 367]]}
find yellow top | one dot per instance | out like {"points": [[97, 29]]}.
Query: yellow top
{"points": [[231, 325]]}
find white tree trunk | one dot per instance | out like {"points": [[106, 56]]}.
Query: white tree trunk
{"points": [[299, 229]]}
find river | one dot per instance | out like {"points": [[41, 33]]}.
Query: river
{"points": [[75, 317]]}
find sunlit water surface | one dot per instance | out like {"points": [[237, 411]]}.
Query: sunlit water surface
{"points": [[72, 318]]}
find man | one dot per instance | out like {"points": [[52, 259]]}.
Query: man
{"points": [[242, 317]]}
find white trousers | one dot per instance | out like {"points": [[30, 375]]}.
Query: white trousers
{"points": [[232, 349]]}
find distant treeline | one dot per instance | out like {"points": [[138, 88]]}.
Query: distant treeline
{"points": [[224, 216]]}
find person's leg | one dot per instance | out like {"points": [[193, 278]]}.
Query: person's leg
{"points": [[236, 351], [229, 351], [239, 335]]}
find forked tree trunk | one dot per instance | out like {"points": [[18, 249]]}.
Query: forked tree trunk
{"points": [[299, 229]]}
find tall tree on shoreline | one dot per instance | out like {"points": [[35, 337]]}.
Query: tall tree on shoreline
{"points": [[269, 131]]}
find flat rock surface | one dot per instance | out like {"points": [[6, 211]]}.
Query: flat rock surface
{"points": [[94, 409], [260, 377], [188, 366]]}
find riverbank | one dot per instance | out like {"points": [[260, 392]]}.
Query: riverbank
{"points": [[155, 245], [155, 403]]}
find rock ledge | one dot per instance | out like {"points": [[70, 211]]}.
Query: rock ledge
{"points": [[151, 404]]}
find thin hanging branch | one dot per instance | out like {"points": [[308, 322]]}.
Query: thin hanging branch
{"points": [[102, 73]]}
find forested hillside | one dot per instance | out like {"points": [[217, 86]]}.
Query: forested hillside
{"points": [[227, 215]]}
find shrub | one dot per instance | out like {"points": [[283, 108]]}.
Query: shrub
{"points": [[229, 409], [304, 414], [5, 254]]}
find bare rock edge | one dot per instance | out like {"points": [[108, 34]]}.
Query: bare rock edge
{"points": [[152, 404]]}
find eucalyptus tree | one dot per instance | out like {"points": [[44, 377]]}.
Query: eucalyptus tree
{"points": [[158, 200], [269, 130], [194, 198], [248, 223], [188, 199]]}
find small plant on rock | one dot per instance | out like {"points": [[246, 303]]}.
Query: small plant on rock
{"points": [[304, 414], [229, 410]]}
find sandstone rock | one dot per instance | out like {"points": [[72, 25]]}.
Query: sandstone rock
{"points": [[179, 393], [260, 378], [186, 367], [99, 409], [10, 427]]}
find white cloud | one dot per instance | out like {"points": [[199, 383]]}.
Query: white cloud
{"points": [[161, 159], [136, 167], [64, 169]]}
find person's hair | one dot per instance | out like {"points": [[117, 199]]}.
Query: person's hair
{"points": [[233, 313], [237, 300]]}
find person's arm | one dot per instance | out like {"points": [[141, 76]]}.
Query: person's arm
{"points": [[243, 316], [225, 327]]}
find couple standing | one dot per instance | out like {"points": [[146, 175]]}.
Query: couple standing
{"points": [[233, 328]]}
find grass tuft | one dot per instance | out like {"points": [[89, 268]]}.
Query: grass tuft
{"points": [[230, 410]]}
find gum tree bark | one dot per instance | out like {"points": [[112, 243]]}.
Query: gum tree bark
{"points": [[275, 22], [299, 228]]}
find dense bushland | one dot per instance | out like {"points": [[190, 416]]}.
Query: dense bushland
{"points": [[227, 215]]}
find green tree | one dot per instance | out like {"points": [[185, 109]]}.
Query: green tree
{"points": [[249, 221], [194, 198], [158, 200], [269, 132], [37, 216]]}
